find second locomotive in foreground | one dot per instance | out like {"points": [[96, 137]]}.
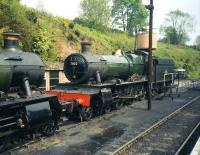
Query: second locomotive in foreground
{"points": [[99, 83], [24, 111]]}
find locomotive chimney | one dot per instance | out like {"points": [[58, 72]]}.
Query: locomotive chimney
{"points": [[11, 39], [86, 46]]}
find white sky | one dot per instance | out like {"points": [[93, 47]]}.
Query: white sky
{"points": [[71, 9]]}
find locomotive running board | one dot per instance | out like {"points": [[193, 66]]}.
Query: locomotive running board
{"points": [[127, 97]]}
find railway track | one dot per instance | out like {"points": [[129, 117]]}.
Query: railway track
{"points": [[68, 123], [128, 147], [9, 152], [26, 144], [65, 125], [71, 125], [190, 140]]}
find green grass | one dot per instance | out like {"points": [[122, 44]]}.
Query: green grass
{"points": [[103, 42], [183, 57], [106, 42]]}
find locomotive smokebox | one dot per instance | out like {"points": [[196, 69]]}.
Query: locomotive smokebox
{"points": [[86, 47]]}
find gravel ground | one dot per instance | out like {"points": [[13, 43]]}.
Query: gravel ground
{"points": [[168, 138], [106, 133]]}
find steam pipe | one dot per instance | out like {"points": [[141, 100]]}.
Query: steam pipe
{"points": [[98, 77], [27, 87]]}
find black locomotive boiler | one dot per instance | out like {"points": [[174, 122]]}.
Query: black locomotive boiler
{"points": [[99, 83], [23, 109]]}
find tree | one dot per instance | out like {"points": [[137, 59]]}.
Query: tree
{"points": [[13, 18], [176, 27], [130, 15], [96, 12], [198, 42]]}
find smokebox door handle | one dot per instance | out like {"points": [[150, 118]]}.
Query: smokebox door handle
{"points": [[14, 59]]}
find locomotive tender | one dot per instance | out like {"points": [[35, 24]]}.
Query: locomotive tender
{"points": [[99, 83], [23, 109]]}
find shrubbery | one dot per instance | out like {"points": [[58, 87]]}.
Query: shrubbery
{"points": [[37, 33], [183, 57], [43, 42], [13, 18]]}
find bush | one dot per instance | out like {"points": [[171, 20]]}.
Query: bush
{"points": [[77, 33], [13, 15], [43, 42], [72, 37], [188, 67], [79, 21], [71, 25], [32, 15]]}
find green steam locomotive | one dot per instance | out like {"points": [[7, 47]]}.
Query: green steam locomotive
{"points": [[99, 83]]}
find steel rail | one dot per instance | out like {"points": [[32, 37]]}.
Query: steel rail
{"points": [[126, 147], [187, 139]]}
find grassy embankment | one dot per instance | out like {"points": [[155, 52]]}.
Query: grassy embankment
{"points": [[183, 57], [105, 43]]}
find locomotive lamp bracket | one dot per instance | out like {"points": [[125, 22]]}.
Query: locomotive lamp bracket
{"points": [[149, 7]]}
